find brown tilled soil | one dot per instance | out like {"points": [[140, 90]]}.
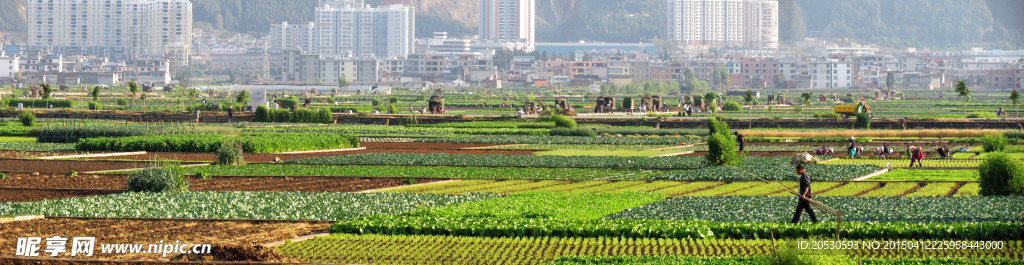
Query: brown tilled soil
{"points": [[235, 241], [29, 195], [63, 166], [24, 187], [32, 154], [446, 148]]}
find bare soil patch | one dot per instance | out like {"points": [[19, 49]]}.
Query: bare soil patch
{"points": [[63, 166], [238, 237]]}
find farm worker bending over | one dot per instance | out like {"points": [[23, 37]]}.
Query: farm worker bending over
{"points": [[740, 140], [852, 147], [916, 155], [943, 152], [804, 195]]}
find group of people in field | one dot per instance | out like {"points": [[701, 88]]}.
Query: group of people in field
{"points": [[916, 154], [804, 193]]}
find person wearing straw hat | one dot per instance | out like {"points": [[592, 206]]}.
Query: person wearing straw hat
{"points": [[852, 147], [804, 195]]}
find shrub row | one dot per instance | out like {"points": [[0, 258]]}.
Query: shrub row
{"points": [[264, 114], [259, 143], [67, 134], [39, 103]]}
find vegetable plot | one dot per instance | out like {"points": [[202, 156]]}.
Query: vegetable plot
{"points": [[770, 168], [239, 205], [580, 206], [948, 163], [383, 249], [881, 209], [653, 228], [890, 259]]}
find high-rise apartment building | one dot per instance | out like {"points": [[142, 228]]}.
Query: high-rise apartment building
{"points": [[356, 31], [293, 36], [124, 29], [706, 24], [508, 21]]}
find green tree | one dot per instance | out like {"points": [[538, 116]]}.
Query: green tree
{"points": [[720, 77], [95, 93], [1001, 175], [46, 90], [722, 147], [807, 98], [242, 97], [890, 81], [780, 81], [963, 93], [133, 88], [1015, 98], [748, 97], [342, 83]]}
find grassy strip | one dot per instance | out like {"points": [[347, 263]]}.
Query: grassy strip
{"points": [[33, 146], [507, 160], [619, 153], [900, 174], [12, 139], [950, 163], [575, 140], [580, 147]]}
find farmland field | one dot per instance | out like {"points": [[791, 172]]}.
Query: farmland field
{"points": [[483, 185]]}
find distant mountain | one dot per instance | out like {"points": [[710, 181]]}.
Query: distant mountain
{"points": [[12, 15], [912, 23], [896, 23]]}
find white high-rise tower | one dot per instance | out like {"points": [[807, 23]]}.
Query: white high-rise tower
{"points": [[126, 29], [508, 21], [752, 24]]}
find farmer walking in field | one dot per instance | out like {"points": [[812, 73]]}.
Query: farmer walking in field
{"points": [[231, 113], [804, 195]]}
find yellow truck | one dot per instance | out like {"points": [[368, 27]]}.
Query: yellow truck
{"points": [[852, 110]]}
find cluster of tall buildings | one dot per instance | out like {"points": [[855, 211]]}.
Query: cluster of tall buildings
{"points": [[122, 29], [349, 28], [716, 24]]}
